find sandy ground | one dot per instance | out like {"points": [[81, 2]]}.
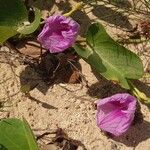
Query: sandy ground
{"points": [[71, 106]]}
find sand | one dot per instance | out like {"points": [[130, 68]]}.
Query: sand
{"points": [[71, 106]]}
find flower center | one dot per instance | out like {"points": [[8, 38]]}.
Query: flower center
{"points": [[119, 105], [60, 27]]}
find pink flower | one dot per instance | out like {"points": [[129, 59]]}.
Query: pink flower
{"points": [[58, 34], [116, 113]]}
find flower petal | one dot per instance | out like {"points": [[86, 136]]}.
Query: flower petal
{"points": [[116, 113], [59, 33]]}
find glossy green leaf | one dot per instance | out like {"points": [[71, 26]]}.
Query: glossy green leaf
{"points": [[27, 29], [110, 59], [16, 135]]}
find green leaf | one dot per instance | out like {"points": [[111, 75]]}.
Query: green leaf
{"points": [[30, 136], [110, 59], [25, 88], [33, 26], [16, 135], [12, 15], [6, 32], [2, 147], [13, 18]]}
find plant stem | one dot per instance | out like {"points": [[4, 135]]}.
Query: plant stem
{"points": [[140, 95], [130, 41], [77, 7]]}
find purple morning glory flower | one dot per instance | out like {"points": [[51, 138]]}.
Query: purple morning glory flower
{"points": [[116, 113], [59, 33]]}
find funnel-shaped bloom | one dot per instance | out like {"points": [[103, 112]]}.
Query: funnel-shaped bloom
{"points": [[116, 113], [59, 33]]}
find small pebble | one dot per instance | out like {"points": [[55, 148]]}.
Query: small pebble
{"points": [[4, 49]]}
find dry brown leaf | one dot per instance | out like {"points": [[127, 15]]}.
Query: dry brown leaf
{"points": [[30, 48], [74, 77]]}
